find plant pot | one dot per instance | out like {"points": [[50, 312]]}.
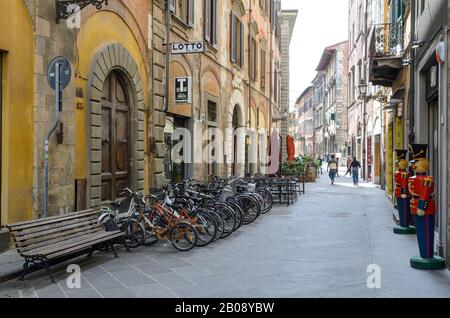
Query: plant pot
{"points": [[312, 174]]}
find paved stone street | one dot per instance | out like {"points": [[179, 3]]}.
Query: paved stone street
{"points": [[320, 247]]}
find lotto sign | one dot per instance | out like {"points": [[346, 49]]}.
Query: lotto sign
{"points": [[187, 48], [182, 90]]}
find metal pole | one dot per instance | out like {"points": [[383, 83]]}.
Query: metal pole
{"points": [[58, 104]]}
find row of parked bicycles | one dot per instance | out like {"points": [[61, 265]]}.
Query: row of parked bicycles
{"points": [[187, 214]]}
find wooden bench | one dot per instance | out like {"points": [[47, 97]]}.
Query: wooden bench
{"points": [[43, 240]]}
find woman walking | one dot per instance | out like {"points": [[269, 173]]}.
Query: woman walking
{"points": [[332, 168]]}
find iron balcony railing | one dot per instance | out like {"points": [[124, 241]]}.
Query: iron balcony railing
{"points": [[389, 39]]}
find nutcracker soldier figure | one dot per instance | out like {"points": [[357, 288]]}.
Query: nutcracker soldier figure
{"points": [[401, 177], [423, 208]]}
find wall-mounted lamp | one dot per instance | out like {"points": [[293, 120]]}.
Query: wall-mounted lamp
{"points": [[66, 8]]}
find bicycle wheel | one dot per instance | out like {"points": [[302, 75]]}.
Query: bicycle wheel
{"points": [[250, 208], [219, 223], [150, 237], [183, 236], [239, 214], [268, 201], [228, 217], [259, 201], [134, 233], [205, 226]]}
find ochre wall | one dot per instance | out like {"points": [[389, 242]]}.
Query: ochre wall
{"points": [[17, 45], [102, 28]]}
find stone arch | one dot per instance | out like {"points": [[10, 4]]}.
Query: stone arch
{"points": [[236, 106], [123, 11], [239, 8], [114, 57]]}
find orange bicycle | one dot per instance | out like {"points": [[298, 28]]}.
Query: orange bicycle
{"points": [[160, 224]]}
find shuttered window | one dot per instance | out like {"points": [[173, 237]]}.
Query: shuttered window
{"points": [[253, 59], [211, 22], [263, 70], [183, 10], [236, 40]]}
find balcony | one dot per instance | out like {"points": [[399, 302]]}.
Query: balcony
{"points": [[387, 48]]}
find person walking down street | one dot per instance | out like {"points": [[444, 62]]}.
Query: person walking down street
{"points": [[354, 171], [332, 168], [320, 162], [349, 163]]}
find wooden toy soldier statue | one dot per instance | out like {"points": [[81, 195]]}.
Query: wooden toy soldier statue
{"points": [[423, 208], [401, 177]]}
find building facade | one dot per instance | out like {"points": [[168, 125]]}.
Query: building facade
{"points": [[122, 107], [334, 65], [304, 123], [406, 44], [288, 18]]}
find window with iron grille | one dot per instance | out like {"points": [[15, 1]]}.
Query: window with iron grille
{"points": [[212, 112]]}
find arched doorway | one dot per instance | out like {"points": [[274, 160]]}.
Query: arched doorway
{"points": [[235, 166], [115, 137]]}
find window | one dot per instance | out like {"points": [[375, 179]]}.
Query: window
{"points": [[211, 22], [237, 40], [253, 59], [263, 70], [183, 10], [212, 123], [212, 112], [275, 85]]}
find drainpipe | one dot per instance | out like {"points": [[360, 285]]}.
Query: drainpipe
{"points": [[168, 51], [58, 101]]}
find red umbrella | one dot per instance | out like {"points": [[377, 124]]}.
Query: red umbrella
{"points": [[290, 148]]}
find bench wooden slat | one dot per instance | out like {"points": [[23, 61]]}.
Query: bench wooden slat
{"points": [[26, 235], [26, 246], [84, 245], [50, 220], [66, 245]]}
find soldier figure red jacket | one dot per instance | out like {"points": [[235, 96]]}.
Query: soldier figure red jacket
{"points": [[422, 189], [401, 184]]}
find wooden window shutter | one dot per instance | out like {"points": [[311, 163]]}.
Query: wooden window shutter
{"points": [[241, 26], [191, 13], [207, 20], [214, 17], [232, 39]]}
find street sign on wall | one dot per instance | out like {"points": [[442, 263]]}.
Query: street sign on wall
{"points": [[188, 48], [183, 90], [65, 72]]}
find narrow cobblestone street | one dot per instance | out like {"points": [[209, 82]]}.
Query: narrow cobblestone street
{"points": [[319, 247]]}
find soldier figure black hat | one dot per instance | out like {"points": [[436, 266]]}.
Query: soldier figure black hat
{"points": [[418, 151], [401, 154]]}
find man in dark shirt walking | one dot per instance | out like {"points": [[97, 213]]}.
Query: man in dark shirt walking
{"points": [[354, 171]]}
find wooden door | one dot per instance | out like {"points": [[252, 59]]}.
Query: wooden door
{"points": [[115, 138]]}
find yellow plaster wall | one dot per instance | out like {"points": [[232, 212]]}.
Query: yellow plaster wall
{"points": [[101, 29], [17, 44]]}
